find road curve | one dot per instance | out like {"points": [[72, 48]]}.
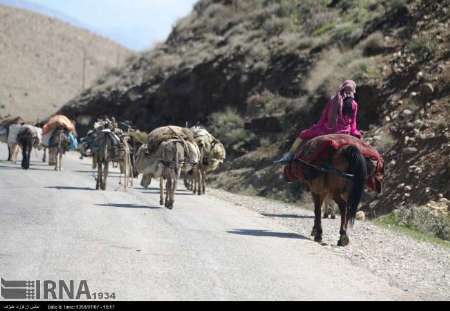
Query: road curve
{"points": [[56, 227]]}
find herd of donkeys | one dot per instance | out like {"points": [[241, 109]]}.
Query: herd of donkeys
{"points": [[165, 154]]}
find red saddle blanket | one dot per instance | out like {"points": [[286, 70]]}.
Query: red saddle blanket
{"points": [[319, 151]]}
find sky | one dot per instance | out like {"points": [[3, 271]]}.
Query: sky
{"points": [[136, 24]]}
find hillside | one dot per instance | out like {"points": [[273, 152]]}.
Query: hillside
{"points": [[256, 72], [41, 62]]}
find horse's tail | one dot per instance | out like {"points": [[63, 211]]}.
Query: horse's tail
{"points": [[357, 167]]}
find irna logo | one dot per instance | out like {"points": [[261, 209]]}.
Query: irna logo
{"points": [[47, 290]]}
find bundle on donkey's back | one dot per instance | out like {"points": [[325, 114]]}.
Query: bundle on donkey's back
{"points": [[59, 135], [169, 150], [108, 143], [212, 155]]}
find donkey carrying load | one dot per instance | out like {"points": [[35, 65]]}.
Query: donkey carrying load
{"points": [[110, 145], [24, 136], [212, 155], [336, 167], [169, 150], [13, 147], [28, 137], [57, 136]]}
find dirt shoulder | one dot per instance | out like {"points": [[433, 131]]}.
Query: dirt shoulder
{"points": [[420, 268]]}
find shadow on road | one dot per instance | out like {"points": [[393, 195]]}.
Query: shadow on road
{"points": [[13, 166], [288, 216], [179, 192], [128, 206], [265, 233], [71, 188], [110, 174]]}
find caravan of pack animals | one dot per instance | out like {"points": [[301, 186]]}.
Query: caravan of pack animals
{"points": [[334, 167], [164, 154]]}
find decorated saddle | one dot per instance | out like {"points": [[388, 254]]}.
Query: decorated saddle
{"points": [[319, 151]]}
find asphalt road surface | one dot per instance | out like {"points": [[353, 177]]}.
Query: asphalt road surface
{"points": [[55, 226]]}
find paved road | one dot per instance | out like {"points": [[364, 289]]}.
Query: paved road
{"points": [[56, 227]]}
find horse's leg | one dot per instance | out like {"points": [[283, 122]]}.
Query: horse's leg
{"points": [[125, 174], [99, 175], [174, 181], [56, 159], [129, 170], [44, 157], [326, 213], [60, 161], [343, 240], [161, 190], [333, 210], [16, 150], [195, 180], [167, 198], [186, 180], [170, 189], [9, 153], [24, 157], [199, 180], [120, 172], [30, 149], [50, 156], [317, 229], [203, 172], [105, 174]]}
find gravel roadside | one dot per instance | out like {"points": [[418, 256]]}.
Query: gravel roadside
{"points": [[420, 268]]}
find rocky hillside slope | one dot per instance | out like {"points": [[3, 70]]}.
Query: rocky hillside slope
{"points": [[257, 71], [42, 61]]}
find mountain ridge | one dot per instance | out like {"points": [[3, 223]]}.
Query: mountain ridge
{"points": [[257, 72], [42, 61]]}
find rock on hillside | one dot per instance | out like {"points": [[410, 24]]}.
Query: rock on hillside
{"points": [[258, 71], [41, 62]]}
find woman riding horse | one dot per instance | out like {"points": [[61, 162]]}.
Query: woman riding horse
{"points": [[338, 117], [337, 126]]}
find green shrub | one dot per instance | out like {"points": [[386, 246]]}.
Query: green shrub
{"points": [[373, 44], [274, 26], [214, 10], [395, 5], [229, 127], [363, 69], [346, 33], [422, 219], [423, 47], [324, 29], [257, 103]]}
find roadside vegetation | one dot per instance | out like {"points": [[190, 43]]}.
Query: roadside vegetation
{"points": [[419, 223]]}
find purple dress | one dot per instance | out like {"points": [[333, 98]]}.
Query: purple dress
{"points": [[344, 125]]}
